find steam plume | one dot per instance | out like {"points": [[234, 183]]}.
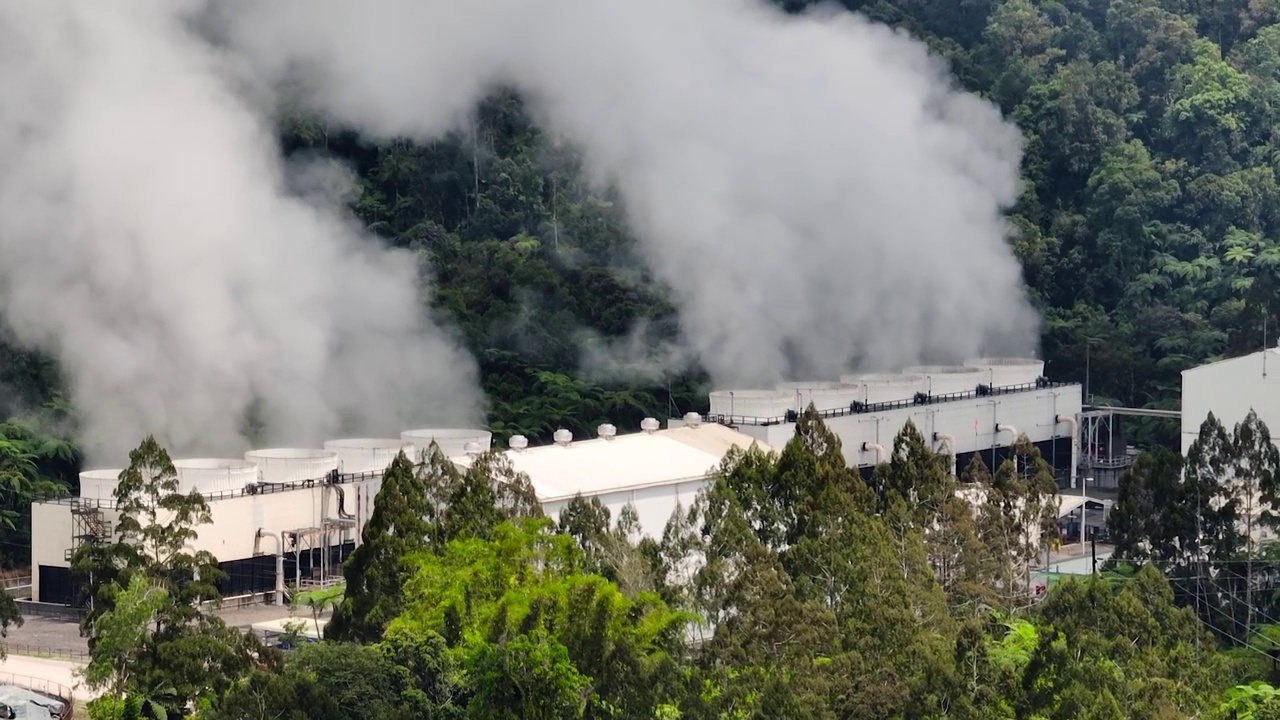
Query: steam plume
{"points": [[813, 189], [148, 239]]}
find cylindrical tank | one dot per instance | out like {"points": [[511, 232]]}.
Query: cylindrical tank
{"points": [[823, 395], [886, 387], [452, 441], [99, 484], [292, 465], [948, 379], [214, 475], [1007, 372], [361, 455], [752, 403]]}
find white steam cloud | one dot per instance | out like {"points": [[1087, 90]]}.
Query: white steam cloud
{"points": [[814, 189], [153, 240]]}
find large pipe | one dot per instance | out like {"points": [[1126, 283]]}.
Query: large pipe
{"points": [[279, 560], [1001, 427], [1075, 464], [1075, 443], [874, 447], [950, 441]]}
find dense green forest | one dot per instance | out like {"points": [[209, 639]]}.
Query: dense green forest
{"points": [[789, 588]]}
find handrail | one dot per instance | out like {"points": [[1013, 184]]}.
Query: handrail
{"points": [[250, 490], [858, 408]]}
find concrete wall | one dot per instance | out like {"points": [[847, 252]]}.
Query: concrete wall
{"points": [[1230, 389], [654, 504]]}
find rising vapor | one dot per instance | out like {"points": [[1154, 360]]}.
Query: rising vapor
{"points": [[150, 239], [813, 189]]}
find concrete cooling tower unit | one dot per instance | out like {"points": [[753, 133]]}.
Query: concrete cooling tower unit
{"points": [[214, 475], [886, 387], [362, 455], [823, 395], [1008, 372], [948, 379], [752, 403], [286, 466], [453, 442], [99, 484]]}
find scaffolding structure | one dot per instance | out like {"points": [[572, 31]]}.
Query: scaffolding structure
{"points": [[88, 526]]}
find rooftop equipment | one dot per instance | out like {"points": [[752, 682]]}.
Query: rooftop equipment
{"points": [[607, 431], [562, 437]]}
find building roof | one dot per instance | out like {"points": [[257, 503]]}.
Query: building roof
{"points": [[597, 466], [1274, 354]]}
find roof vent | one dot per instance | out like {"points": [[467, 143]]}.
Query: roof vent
{"points": [[562, 437], [472, 449], [607, 431], [519, 442], [649, 425], [692, 419]]}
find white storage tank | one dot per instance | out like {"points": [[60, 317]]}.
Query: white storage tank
{"points": [[948, 379], [282, 466], [886, 387], [214, 475], [823, 395], [99, 484], [362, 455], [763, 404], [452, 441], [1007, 372]]}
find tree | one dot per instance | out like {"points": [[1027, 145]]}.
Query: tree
{"points": [[156, 522], [1017, 515], [375, 573], [121, 635]]}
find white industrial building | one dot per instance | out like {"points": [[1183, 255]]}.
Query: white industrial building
{"points": [[978, 407], [655, 471], [291, 515], [279, 515], [1230, 389]]}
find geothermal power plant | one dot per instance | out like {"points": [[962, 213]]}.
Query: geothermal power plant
{"points": [[287, 517]]}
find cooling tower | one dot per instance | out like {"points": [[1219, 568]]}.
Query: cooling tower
{"points": [[752, 403], [823, 395], [214, 475], [292, 465], [99, 484], [1008, 372], [360, 455], [452, 441], [886, 387], [948, 379]]}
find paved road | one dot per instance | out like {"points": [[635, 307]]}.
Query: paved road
{"points": [[30, 671]]}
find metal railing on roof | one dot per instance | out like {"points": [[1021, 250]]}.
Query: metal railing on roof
{"points": [[260, 488], [858, 408]]}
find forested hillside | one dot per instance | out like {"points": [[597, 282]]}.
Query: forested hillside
{"points": [[1147, 228]]}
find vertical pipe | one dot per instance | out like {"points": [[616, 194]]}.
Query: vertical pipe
{"points": [[1075, 464], [950, 442]]}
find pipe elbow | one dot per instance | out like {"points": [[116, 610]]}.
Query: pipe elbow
{"points": [[877, 448]]}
